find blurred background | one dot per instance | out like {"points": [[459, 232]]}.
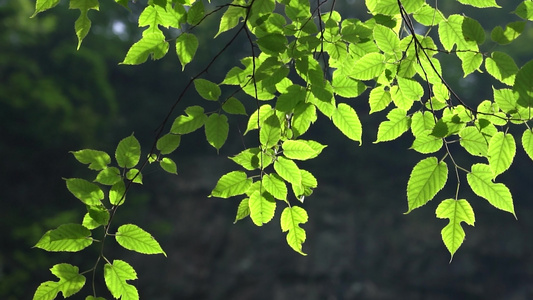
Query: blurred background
{"points": [[360, 245]]}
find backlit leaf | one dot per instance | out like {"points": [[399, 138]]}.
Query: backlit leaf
{"points": [[379, 99], [386, 39], [397, 124], [497, 194], [301, 149], [275, 185], [108, 176], [116, 276], [231, 17], [216, 130], [89, 193], [128, 152], [511, 32], [480, 3], [502, 149], [456, 211], [42, 5], [83, 24], [116, 193], [232, 184], [207, 89], [70, 282], [97, 160], [133, 238], [243, 210], [369, 66], [502, 67], [151, 44], [427, 178], [474, 141], [346, 120], [291, 218], [168, 165], [270, 132], [186, 124], [234, 106], [66, 238], [262, 207], [186, 46], [168, 143], [288, 170], [527, 142]]}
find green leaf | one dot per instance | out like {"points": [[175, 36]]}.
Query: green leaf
{"points": [[207, 89], [258, 117], [243, 210], [502, 67], [262, 207], [309, 70], [428, 16], [216, 130], [66, 238], [301, 149], [186, 124], [99, 214], [151, 44], [270, 132], [169, 165], [232, 184], [273, 43], [525, 10], [422, 121], [89, 193], [128, 152], [511, 32], [234, 106], [97, 160], [386, 39], [275, 185], [470, 62], [291, 218], [498, 195], [523, 85], [451, 33], [196, 13], [427, 178], [94, 298], [474, 141], [70, 282], [168, 143], [473, 31], [116, 193], [108, 176], [426, 143], [133, 238], [480, 3], [369, 66], [83, 24], [456, 211], [288, 100], [186, 46], [252, 159], [135, 176], [406, 93], [42, 5], [231, 17], [502, 149], [379, 99], [116, 276], [398, 123], [288, 170], [346, 120], [527, 142], [347, 87]]}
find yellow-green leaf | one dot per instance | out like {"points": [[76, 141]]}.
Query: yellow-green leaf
{"points": [[427, 178], [291, 218], [456, 211]]}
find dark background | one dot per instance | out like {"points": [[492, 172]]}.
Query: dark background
{"points": [[360, 245]]}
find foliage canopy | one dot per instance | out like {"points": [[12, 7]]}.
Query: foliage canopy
{"points": [[304, 59]]}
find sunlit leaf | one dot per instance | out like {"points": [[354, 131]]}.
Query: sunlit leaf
{"points": [[456, 211], [262, 207], [89, 193], [502, 149], [369, 66], [194, 119], [168, 143], [497, 194], [186, 46], [97, 160], [232, 184], [128, 152], [291, 218], [275, 185], [70, 282], [527, 142], [216, 130], [346, 120], [151, 44], [397, 124], [116, 276], [66, 238], [480, 3], [301, 149], [133, 238], [288, 170], [168, 165], [427, 178]]}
